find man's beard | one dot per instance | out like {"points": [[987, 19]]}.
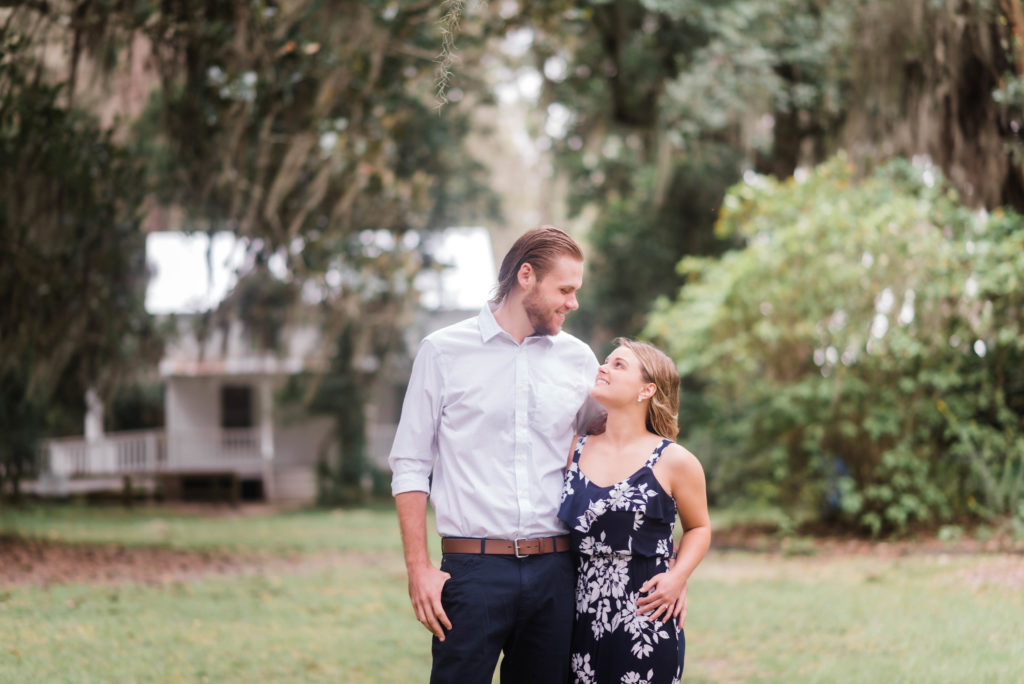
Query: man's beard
{"points": [[543, 322]]}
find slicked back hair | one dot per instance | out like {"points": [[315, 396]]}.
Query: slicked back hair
{"points": [[539, 247]]}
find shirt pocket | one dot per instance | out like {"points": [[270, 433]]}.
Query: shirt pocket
{"points": [[553, 407]]}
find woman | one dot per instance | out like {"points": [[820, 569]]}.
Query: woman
{"points": [[622, 491]]}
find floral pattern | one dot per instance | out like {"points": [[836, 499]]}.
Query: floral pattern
{"points": [[622, 535]]}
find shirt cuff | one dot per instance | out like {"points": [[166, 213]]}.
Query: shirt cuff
{"points": [[409, 483]]}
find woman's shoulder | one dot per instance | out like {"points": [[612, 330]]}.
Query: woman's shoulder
{"points": [[678, 458]]}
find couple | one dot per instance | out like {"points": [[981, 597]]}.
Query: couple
{"points": [[490, 414]]}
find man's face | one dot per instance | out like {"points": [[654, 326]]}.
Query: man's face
{"points": [[550, 298]]}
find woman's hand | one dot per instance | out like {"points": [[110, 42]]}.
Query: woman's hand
{"points": [[664, 597]]}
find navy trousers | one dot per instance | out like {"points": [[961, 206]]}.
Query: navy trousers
{"points": [[522, 607]]}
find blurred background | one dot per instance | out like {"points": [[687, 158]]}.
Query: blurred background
{"points": [[225, 226]]}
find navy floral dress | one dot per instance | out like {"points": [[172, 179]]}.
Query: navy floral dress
{"points": [[622, 536]]}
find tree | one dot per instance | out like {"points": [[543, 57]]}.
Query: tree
{"points": [[942, 79], [72, 261], [306, 127], [656, 107], [638, 90]]}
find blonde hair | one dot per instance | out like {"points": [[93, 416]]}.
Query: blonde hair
{"points": [[657, 368]]}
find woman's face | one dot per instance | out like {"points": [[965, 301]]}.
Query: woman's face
{"points": [[619, 379]]}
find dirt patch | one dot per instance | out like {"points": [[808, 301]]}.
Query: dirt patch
{"points": [[41, 562], [767, 539], [1007, 573]]}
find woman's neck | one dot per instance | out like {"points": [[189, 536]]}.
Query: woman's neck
{"points": [[625, 425]]}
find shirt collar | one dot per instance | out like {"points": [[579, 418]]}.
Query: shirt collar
{"points": [[489, 327]]}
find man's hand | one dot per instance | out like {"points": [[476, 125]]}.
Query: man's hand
{"points": [[425, 583]]}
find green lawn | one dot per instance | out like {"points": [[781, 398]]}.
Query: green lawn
{"points": [[368, 529], [342, 614]]}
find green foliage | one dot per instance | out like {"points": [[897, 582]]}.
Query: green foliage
{"points": [[665, 102], [304, 122], [648, 83], [634, 246], [261, 301], [861, 356], [72, 260], [772, 76], [136, 405]]}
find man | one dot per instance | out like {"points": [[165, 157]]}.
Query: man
{"points": [[488, 418]]}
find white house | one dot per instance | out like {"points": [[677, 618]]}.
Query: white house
{"points": [[224, 437]]}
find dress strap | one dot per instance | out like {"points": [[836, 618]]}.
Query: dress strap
{"points": [[578, 450], [656, 454]]}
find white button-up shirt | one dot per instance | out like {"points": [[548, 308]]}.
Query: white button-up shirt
{"points": [[487, 424]]}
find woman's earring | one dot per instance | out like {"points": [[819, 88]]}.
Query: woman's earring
{"points": [[639, 399]]}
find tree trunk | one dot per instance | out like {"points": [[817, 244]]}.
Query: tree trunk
{"points": [[924, 78]]}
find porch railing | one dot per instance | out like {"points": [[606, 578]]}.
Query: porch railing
{"points": [[153, 451], [227, 449]]}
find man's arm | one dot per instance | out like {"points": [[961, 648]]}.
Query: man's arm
{"points": [[425, 581], [411, 462], [591, 418]]}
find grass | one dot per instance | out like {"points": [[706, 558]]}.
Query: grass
{"points": [[853, 619], [753, 616], [350, 623], [365, 529]]}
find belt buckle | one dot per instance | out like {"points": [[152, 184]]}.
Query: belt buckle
{"points": [[515, 547]]}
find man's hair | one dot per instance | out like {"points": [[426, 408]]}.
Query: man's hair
{"points": [[540, 248], [658, 368]]}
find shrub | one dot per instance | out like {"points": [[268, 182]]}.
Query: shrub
{"points": [[861, 357]]}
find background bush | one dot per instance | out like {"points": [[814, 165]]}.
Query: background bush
{"points": [[860, 360]]}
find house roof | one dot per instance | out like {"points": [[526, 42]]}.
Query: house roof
{"points": [[257, 365]]}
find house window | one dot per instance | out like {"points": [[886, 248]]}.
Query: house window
{"points": [[236, 406]]}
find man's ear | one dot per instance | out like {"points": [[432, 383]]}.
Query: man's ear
{"points": [[526, 275]]}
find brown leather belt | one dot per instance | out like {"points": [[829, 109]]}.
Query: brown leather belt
{"points": [[505, 547]]}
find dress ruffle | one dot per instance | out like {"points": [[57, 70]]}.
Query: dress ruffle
{"points": [[635, 515]]}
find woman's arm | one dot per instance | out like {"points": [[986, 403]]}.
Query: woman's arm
{"points": [[690, 493], [666, 592]]}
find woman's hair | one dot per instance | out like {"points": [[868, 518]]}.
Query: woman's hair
{"points": [[658, 368], [539, 248]]}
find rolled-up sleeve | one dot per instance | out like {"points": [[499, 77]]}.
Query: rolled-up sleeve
{"points": [[590, 412], [415, 446]]}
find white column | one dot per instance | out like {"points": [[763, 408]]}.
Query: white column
{"points": [[266, 409], [99, 457], [93, 416]]}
